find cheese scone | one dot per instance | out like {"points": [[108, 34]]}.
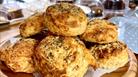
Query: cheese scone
{"points": [[59, 56], [19, 57], [111, 55], [32, 25], [100, 31], [65, 19]]}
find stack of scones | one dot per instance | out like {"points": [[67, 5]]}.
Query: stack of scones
{"points": [[63, 49]]}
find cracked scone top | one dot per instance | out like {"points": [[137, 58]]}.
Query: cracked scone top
{"points": [[65, 19], [19, 57], [32, 25], [111, 55], [59, 56], [100, 31]]}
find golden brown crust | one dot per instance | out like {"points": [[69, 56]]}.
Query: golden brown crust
{"points": [[100, 31], [111, 55], [19, 57], [65, 19], [59, 56], [32, 25]]}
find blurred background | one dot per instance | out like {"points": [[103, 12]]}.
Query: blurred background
{"points": [[15, 9]]}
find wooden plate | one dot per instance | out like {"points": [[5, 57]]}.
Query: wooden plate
{"points": [[129, 70]]}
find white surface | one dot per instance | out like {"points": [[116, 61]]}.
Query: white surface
{"points": [[128, 31], [86, 9]]}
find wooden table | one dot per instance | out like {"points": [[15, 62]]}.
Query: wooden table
{"points": [[137, 59], [10, 31], [13, 30]]}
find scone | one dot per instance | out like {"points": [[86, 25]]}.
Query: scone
{"points": [[32, 25], [41, 35], [19, 57], [100, 31], [65, 19], [111, 55], [59, 56]]}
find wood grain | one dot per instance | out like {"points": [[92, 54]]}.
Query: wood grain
{"points": [[10, 73], [129, 70], [137, 64]]}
